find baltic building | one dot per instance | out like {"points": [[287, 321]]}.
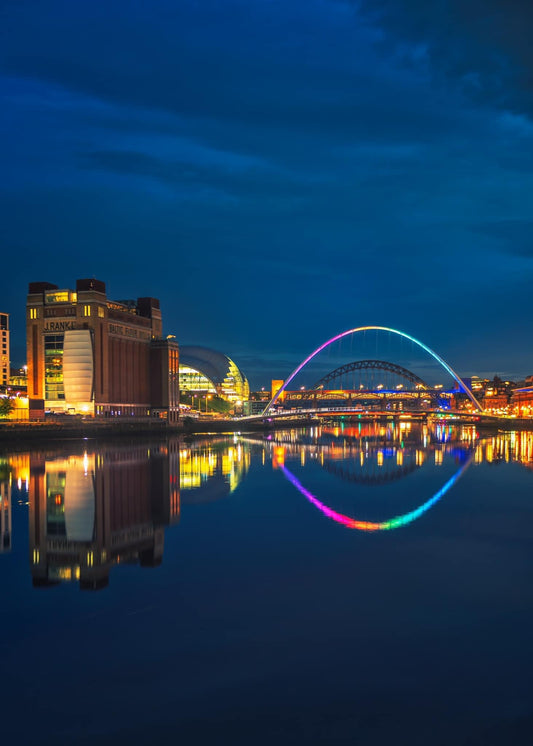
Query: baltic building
{"points": [[90, 355]]}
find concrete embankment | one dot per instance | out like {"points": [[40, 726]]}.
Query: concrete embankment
{"points": [[504, 423], [66, 429]]}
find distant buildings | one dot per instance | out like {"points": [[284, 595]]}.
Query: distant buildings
{"points": [[4, 350], [90, 355], [205, 372], [501, 397], [523, 399]]}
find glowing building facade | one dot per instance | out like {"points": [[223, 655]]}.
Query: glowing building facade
{"points": [[206, 371], [90, 355], [4, 350]]}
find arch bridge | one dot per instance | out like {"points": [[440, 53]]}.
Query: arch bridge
{"points": [[357, 384], [359, 366], [385, 365]]}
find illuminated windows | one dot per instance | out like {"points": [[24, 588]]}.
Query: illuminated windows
{"points": [[53, 367], [208, 371], [194, 380], [34, 313], [60, 296], [87, 310]]}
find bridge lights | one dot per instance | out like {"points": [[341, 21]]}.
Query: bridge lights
{"points": [[399, 386]]}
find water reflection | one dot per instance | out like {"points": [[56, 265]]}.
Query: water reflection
{"points": [[212, 468], [5, 514], [373, 454], [90, 511], [91, 508], [396, 522], [264, 621]]}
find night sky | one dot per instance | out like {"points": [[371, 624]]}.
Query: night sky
{"points": [[277, 171]]}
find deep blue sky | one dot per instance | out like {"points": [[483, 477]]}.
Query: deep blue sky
{"points": [[276, 171]]}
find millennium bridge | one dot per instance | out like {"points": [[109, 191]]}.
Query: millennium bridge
{"points": [[370, 387]]}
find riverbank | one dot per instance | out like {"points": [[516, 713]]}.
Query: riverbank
{"points": [[67, 428]]}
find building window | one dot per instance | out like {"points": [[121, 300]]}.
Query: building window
{"points": [[59, 296], [101, 312], [86, 310], [53, 367], [34, 313]]}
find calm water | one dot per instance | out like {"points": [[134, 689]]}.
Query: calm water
{"points": [[363, 585]]}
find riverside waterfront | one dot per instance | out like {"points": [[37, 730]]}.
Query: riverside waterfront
{"points": [[363, 584], [68, 428]]}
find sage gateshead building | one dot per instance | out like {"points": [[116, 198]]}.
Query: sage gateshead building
{"points": [[90, 355], [206, 371]]}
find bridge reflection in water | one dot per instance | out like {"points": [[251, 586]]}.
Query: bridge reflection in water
{"points": [[91, 509], [396, 522], [372, 454]]}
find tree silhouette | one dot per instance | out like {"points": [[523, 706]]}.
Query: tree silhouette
{"points": [[6, 406]]}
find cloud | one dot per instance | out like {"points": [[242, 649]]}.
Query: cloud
{"points": [[515, 237], [306, 166], [204, 179], [484, 46]]}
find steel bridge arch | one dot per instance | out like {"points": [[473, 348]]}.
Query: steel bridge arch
{"points": [[372, 365], [381, 329]]}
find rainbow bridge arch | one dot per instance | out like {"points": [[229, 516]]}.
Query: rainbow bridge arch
{"points": [[358, 329]]}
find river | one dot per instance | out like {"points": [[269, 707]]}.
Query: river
{"points": [[355, 584]]}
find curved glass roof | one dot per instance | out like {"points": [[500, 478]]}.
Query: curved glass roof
{"points": [[229, 381]]}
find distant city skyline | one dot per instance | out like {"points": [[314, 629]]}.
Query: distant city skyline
{"points": [[276, 173], [332, 355]]}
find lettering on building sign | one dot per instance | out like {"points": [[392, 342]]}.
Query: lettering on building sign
{"points": [[59, 326], [126, 331]]}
